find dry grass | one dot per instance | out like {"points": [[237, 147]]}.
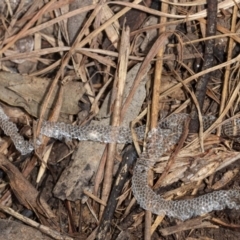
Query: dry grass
{"points": [[100, 56]]}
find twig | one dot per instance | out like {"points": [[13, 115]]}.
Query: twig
{"points": [[127, 163], [155, 107], [174, 154], [189, 79], [208, 63], [44, 229], [119, 83], [227, 70], [147, 60], [27, 26], [65, 61]]}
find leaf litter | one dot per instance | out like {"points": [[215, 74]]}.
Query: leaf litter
{"points": [[64, 61]]}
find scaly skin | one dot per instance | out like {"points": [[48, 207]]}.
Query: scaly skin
{"points": [[159, 141]]}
